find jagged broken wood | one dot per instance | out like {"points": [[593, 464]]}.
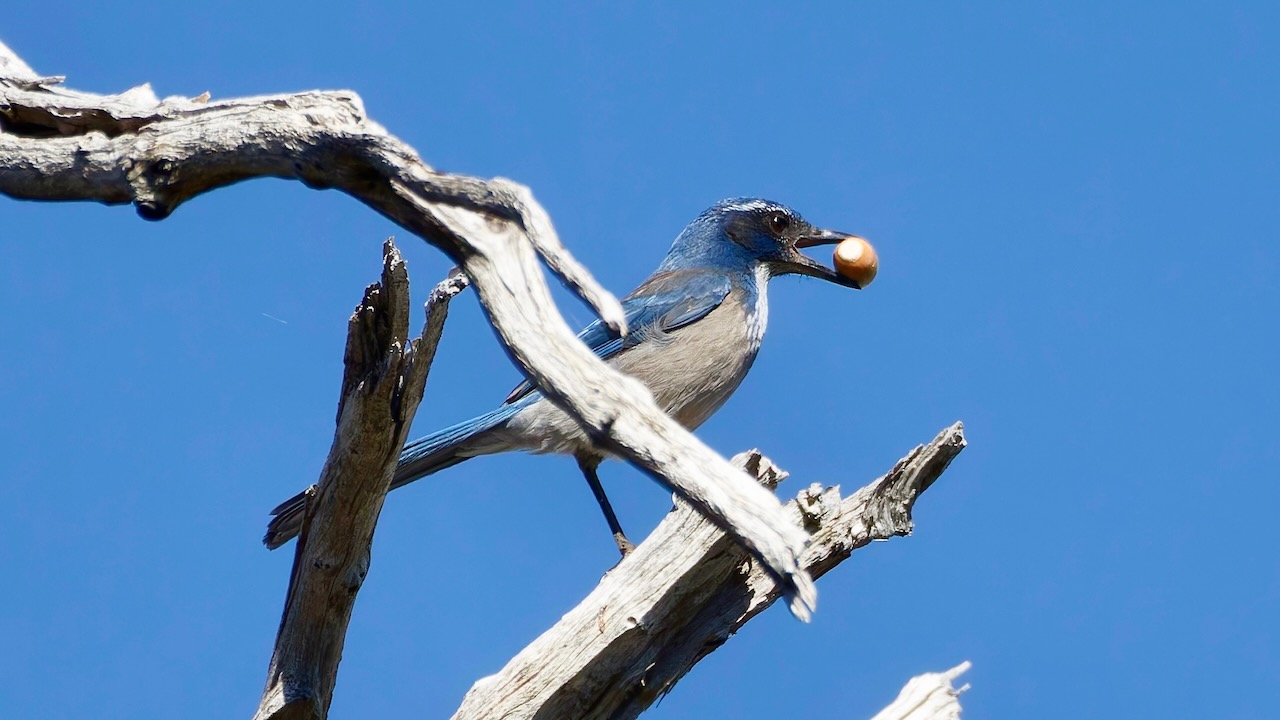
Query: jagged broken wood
{"points": [[383, 379], [60, 144], [684, 591], [930, 696]]}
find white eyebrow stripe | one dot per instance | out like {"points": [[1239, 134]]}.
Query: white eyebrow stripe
{"points": [[750, 205]]}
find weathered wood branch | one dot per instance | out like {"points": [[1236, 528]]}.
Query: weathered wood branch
{"points": [[684, 591], [930, 696], [382, 384], [59, 144]]}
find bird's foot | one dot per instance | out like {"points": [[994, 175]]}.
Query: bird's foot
{"points": [[625, 546]]}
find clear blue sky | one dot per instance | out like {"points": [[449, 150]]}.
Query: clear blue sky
{"points": [[1075, 206]]}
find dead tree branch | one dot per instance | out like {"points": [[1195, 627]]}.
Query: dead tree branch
{"points": [[677, 598], [684, 591], [930, 696], [59, 144], [382, 385]]}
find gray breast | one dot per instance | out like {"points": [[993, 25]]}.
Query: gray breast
{"points": [[691, 372]]}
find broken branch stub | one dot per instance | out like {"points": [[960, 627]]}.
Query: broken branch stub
{"points": [[385, 374], [684, 591], [60, 144]]}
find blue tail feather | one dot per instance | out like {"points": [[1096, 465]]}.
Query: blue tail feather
{"points": [[447, 447], [422, 457]]}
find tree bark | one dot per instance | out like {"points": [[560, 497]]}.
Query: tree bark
{"points": [[928, 697], [726, 552], [382, 384], [684, 591], [59, 144]]}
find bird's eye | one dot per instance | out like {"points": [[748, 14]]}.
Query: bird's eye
{"points": [[778, 222]]}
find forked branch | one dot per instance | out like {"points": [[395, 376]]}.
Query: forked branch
{"points": [[384, 376], [59, 144], [684, 591]]}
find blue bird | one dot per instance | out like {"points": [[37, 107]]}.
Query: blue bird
{"points": [[695, 328]]}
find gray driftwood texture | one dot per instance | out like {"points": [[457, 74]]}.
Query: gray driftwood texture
{"points": [[383, 380], [684, 590], [60, 144]]}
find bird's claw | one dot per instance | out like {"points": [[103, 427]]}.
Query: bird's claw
{"points": [[625, 546]]}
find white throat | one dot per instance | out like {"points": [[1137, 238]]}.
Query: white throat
{"points": [[759, 319]]}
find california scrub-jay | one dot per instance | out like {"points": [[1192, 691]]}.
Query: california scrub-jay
{"points": [[695, 328]]}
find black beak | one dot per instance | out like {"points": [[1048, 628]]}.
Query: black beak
{"points": [[801, 264]]}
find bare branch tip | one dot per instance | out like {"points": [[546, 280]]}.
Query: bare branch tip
{"points": [[802, 600], [446, 289], [956, 672], [391, 257]]}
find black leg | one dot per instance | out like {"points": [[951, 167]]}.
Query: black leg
{"points": [[588, 467]]}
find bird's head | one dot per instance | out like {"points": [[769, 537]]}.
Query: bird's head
{"points": [[760, 232]]}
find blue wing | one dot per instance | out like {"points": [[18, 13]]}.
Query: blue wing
{"points": [[665, 302]]}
